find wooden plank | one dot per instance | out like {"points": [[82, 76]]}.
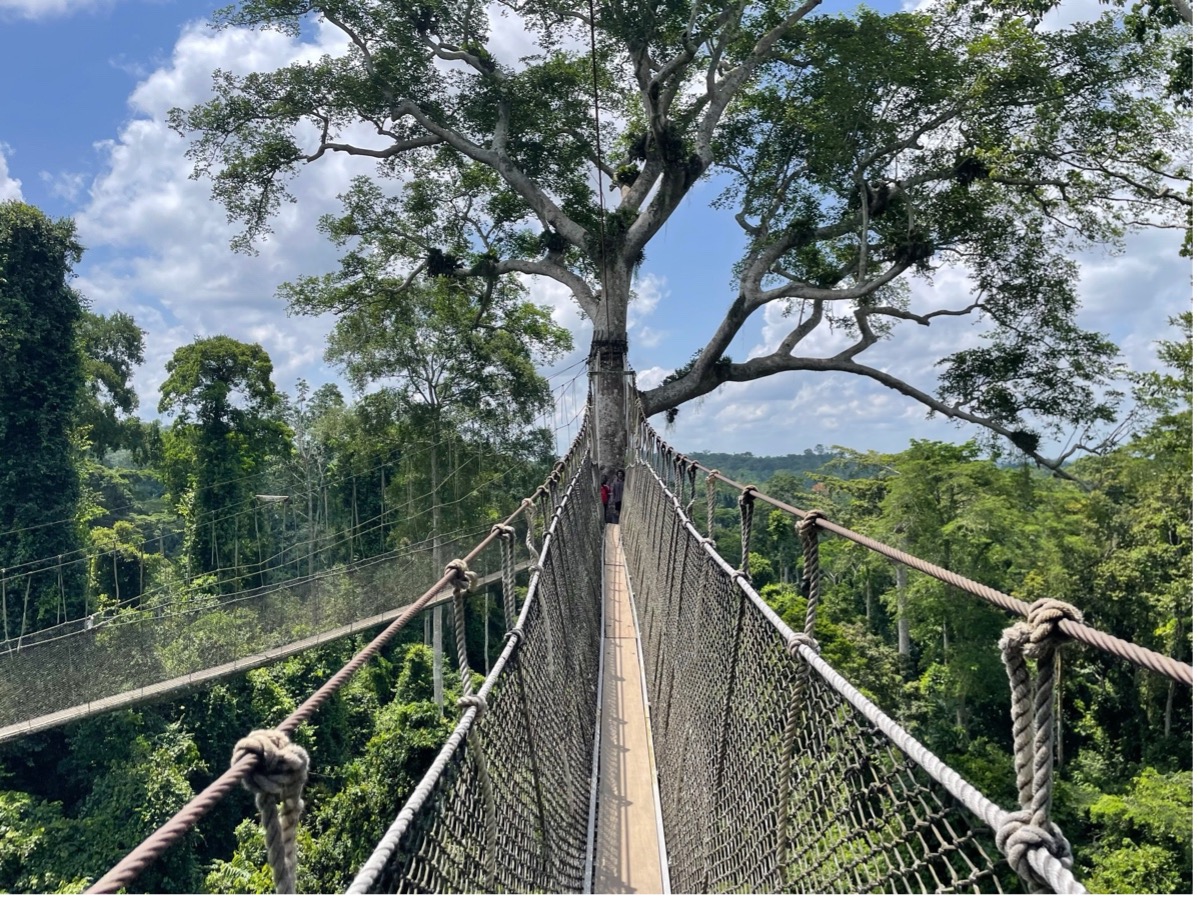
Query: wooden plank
{"points": [[627, 850]]}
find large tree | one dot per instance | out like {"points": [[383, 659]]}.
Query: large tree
{"points": [[41, 380], [112, 346], [856, 151], [227, 427]]}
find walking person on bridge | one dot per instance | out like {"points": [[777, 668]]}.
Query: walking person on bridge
{"points": [[617, 496], [605, 496]]}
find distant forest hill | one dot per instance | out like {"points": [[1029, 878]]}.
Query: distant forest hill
{"points": [[748, 468]]}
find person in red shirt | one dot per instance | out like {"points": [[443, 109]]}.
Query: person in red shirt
{"points": [[605, 495]]}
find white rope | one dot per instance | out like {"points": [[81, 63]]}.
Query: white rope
{"points": [[277, 783]]}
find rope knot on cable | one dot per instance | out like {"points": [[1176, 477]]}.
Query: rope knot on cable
{"points": [[518, 633], [801, 639], [282, 767], [463, 578], [746, 497], [1043, 622], [1017, 837], [473, 701], [277, 781], [808, 522], [503, 531]]}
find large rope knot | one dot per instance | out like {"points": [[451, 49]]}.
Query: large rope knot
{"points": [[463, 580], [1017, 837], [806, 526], [282, 766], [1043, 624], [518, 633], [473, 701], [503, 531], [801, 639], [277, 781], [746, 497]]}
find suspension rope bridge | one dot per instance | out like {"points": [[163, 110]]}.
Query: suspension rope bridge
{"points": [[651, 724]]}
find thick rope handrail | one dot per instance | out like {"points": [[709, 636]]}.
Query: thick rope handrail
{"points": [[130, 867], [1098, 639]]}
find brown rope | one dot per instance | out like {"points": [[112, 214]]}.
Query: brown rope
{"points": [[746, 508], [710, 502], [1128, 651]]}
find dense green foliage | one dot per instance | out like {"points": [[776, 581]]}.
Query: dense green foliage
{"points": [[225, 432], [748, 468], [41, 382], [246, 487], [74, 801], [112, 346]]}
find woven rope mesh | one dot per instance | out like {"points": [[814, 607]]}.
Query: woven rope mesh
{"points": [[537, 738], [142, 649], [854, 813]]}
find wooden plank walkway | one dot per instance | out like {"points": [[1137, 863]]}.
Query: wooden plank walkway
{"points": [[628, 849]]}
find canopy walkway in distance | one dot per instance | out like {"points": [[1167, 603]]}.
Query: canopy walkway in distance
{"points": [[759, 769]]}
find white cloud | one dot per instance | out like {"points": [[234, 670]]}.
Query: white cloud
{"points": [[65, 185], [159, 245], [651, 377], [45, 9], [10, 187], [647, 292]]}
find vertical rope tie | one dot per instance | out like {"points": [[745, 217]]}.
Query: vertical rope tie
{"points": [[277, 782], [463, 582], [530, 532], [747, 503], [711, 504], [1032, 709], [692, 473], [506, 534], [808, 531]]}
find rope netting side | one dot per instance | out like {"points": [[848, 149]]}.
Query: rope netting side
{"points": [[531, 750], [829, 794], [251, 762], [138, 649]]}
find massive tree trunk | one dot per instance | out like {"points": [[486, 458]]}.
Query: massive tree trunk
{"points": [[609, 388], [609, 378]]}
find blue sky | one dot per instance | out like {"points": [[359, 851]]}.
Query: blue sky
{"points": [[87, 84]]}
